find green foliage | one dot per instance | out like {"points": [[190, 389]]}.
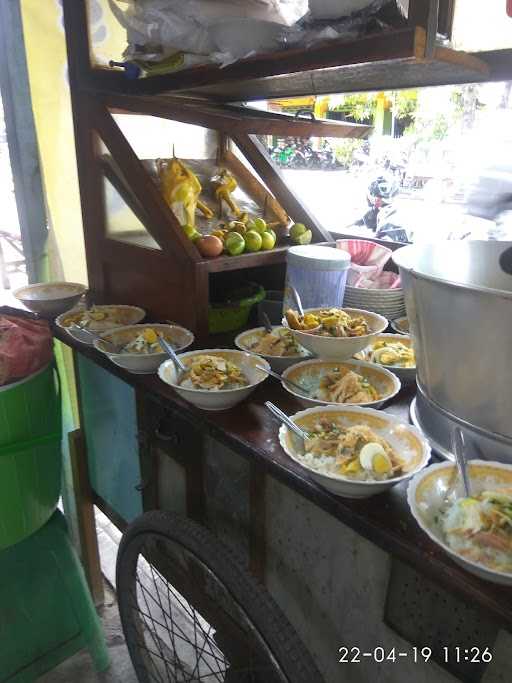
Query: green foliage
{"points": [[344, 149], [362, 106], [359, 106]]}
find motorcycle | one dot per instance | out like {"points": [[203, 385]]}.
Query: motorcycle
{"points": [[380, 193]]}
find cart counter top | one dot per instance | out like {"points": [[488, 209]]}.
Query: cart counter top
{"points": [[384, 519]]}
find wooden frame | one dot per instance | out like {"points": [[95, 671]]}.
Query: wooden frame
{"points": [[154, 275]]}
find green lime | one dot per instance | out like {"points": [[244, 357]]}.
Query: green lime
{"points": [[268, 240], [258, 225], [297, 230], [235, 243], [304, 238], [253, 240], [272, 232]]}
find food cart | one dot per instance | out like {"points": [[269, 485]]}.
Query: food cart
{"points": [[370, 596]]}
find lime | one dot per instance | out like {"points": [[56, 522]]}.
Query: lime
{"points": [[299, 234], [305, 238], [235, 243], [272, 233], [258, 225], [253, 240], [268, 240]]}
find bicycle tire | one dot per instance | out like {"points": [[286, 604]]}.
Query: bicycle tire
{"points": [[271, 625]]}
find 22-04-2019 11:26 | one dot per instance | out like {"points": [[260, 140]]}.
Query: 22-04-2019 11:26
{"points": [[354, 655]]}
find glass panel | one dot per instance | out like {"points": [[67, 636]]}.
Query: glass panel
{"points": [[436, 167], [122, 224], [481, 26]]}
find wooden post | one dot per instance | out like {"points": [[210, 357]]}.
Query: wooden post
{"points": [[85, 516]]}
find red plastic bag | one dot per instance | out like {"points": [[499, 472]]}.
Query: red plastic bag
{"points": [[25, 347]]}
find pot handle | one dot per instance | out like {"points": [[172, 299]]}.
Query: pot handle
{"points": [[506, 261]]}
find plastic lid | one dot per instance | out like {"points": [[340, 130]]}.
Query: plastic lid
{"points": [[314, 257]]}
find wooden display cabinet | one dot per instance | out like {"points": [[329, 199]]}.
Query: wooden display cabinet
{"points": [[154, 264]]}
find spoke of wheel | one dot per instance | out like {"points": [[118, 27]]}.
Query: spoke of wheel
{"points": [[175, 654], [149, 629], [183, 638], [200, 657], [189, 613], [135, 606]]}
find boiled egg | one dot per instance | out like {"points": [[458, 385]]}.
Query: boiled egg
{"points": [[373, 458]]}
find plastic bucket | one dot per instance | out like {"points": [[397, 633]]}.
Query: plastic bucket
{"points": [[319, 275], [30, 455]]}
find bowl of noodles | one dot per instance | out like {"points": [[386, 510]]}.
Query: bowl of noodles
{"points": [[216, 379], [279, 348], [334, 333], [355, 452], [476, 532]]}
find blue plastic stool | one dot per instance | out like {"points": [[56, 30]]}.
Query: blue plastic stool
{"points": [[46, 611]]}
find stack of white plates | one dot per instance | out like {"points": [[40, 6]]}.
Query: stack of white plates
{"points": [[387, 302]]}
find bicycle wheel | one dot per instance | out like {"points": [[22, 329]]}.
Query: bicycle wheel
{"points": [[191, 613]]}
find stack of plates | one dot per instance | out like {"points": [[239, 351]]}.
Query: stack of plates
{"points": [[387, 302]]}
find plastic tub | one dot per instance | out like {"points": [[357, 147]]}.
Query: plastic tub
{"points": [[319, 274], [234, 312], [30, 455]]}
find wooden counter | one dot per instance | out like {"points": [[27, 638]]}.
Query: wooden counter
{"points": [[249, 430]]}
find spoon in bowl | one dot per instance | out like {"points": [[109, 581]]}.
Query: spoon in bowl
{"points": [[283, 417], [276, 375], [460, 459], [298, 302], [111, 347], [266, 322], [181, 368]]}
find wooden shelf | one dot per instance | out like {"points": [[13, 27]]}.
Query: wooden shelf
{"points": [[390, 60]]}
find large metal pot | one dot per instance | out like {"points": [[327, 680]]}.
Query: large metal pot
{"points": [[459, 304]]}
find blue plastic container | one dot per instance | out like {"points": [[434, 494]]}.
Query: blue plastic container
{"points": [[319, 274]]}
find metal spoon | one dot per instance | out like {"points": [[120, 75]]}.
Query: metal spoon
{"points": [[283, 417], [114, 348], [276, 375], [460, 459], [266, 322], [296, 296], [180, 366]]}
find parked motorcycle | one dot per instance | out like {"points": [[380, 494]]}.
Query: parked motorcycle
{"points": [[380, 193]]}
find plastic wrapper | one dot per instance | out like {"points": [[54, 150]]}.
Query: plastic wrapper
{"points": [[25, 347], [367, 265], [224, 31]]}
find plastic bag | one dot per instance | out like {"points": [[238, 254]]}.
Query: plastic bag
{"points": [[159, 28], [25, 347]]}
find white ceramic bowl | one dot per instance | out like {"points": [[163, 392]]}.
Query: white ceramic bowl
{"points": [[143, 363], [124, 315], [340, 348], [406, 375], [223, 399], [278, 363], [309, 373], [49, 299], [426, 494], [400, 325], [404, 438]]}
